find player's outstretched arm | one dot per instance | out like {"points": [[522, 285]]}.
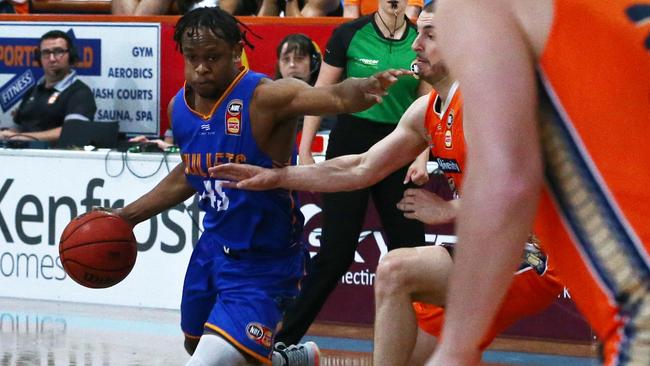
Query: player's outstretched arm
{"points": [[172, 190], [344, 173], [288, 98]]}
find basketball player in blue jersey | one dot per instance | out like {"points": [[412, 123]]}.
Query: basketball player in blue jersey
{"points": [[249, 261]]}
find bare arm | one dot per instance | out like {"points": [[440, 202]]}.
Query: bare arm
{"points": [[169, 134], [269, 8], [140, 7], [229, 6], [348, 172], [289, 98], [412, 11], [47, 135], [123, 7], [350, 11], [503, 146], [328, 75], [172, 190], [319, 8]]}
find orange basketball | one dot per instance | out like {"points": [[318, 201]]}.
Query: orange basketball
{"points": [[98, 249]]}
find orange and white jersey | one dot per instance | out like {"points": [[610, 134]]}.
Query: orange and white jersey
{"points": [[595, 75], [369, 6], [444, 122], [531, 290]]}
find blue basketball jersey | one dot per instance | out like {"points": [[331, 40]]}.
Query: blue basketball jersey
{"points": [[240, 220]]}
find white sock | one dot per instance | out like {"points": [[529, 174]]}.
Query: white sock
{"points": [[215, 351]]}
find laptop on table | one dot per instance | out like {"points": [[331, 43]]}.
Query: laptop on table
{"points": [[79, 133]]}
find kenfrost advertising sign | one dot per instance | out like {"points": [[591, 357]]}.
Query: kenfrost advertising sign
{"points": [[39, 194], [40, 191], [120, 62]]}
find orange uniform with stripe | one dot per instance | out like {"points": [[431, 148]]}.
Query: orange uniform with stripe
{"points": [[444, 122], [535, 285], [370, 6], [594, 214]]}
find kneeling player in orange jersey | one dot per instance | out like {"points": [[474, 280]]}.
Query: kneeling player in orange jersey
{"points": [[433, 121]]}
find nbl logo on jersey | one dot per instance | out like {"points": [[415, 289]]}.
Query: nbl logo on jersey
{"points": [[233, 117], [260, 334]]}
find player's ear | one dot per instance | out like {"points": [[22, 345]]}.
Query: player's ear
{"points": [[237, 50]]}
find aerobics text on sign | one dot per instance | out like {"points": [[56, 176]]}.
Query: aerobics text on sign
{"points": [[120, 62]]}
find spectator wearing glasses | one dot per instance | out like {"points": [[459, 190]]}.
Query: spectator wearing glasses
{"points": [[58, 96], [299, 57]]}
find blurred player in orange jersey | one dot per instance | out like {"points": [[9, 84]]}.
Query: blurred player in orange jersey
{"points": [[561, 93], [410, 274], [357, 8]]}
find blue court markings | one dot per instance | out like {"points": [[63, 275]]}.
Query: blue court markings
{"points": [[536, 359], [327, 343], [90, 322], [509, 358]]}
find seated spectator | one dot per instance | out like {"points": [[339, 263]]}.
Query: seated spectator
{"points": [[357, 8], [58, 96], [161, 7], [14, 6], [186, 5], [163, 144], [301, 8], [141, 7], [299, 57], [240, 7], [289, 8]]}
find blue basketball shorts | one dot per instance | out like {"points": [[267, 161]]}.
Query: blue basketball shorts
{"points": [[240, 295]]}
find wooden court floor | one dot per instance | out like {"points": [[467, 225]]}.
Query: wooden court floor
{"points": [[45, 333]]}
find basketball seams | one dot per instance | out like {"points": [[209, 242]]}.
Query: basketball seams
{"points": [[85, 266], [78, 225], [98, 242], [93, 243], [104, 215], [100, 255]]}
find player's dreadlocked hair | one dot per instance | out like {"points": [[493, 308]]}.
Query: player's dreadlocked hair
{"points": [[222, 24]]}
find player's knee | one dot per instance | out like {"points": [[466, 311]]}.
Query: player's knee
{"points": [[190, 344], [392, 274]]}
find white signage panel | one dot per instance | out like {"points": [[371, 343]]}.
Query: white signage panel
{"points": [[40, 191], [120, 62]]}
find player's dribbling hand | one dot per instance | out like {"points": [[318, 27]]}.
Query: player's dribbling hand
{"points": [[244, 176], [114, 211], [379, 83]]}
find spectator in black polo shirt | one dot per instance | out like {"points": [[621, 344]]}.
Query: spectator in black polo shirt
{"points": [[57, 97]]}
